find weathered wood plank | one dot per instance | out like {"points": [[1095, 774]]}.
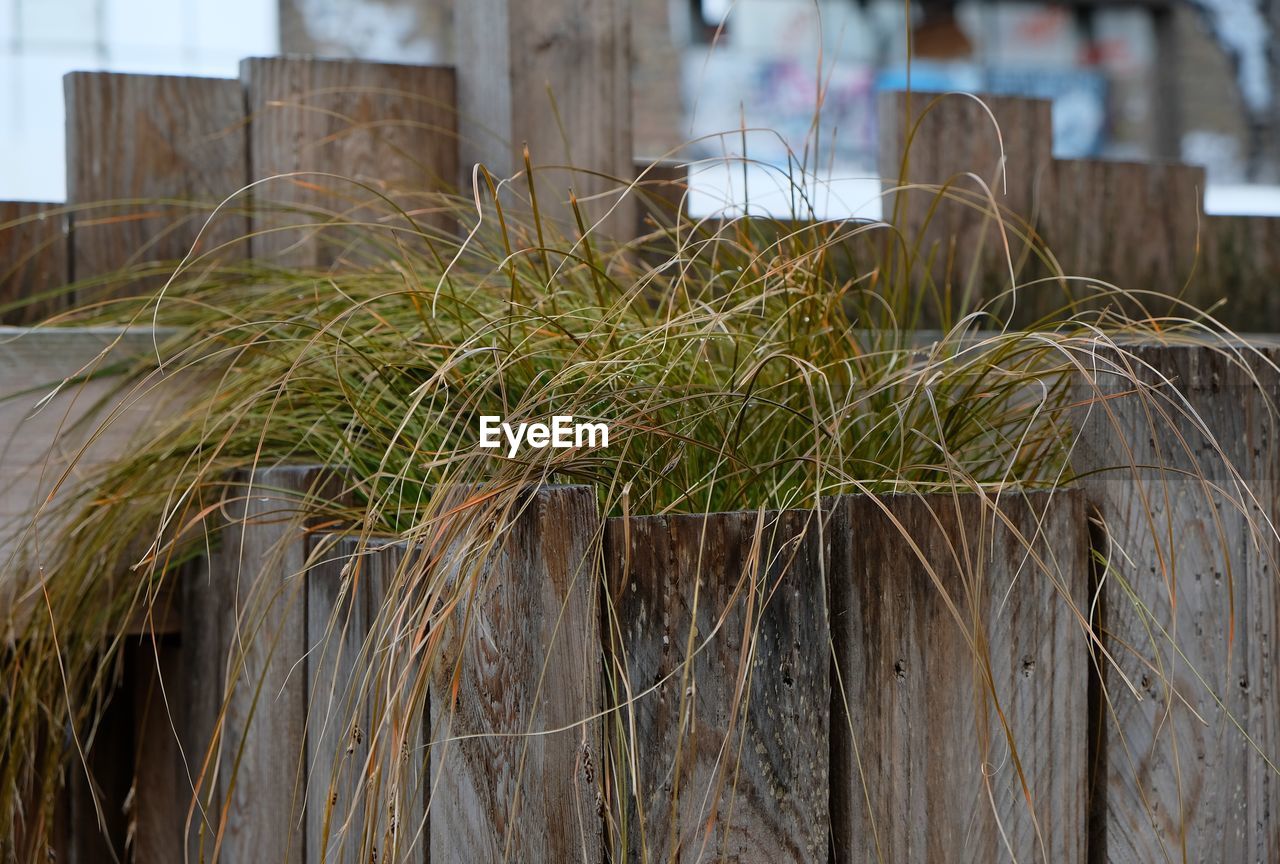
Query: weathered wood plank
{"points": [[205, 635], [721, 643], [148, 158], [661, 190], [952, 135], [338, 136], [954, 141], [43, 450], [364, 802], [1190, 711], [942, 625], [338, 719], [557, 77], [401, 822], [33, 260], [258, 572], [1137, 226], [161, 790], [1240, 264], [1133, 225], [525, 649]]}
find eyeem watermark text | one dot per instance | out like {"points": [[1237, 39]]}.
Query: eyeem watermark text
{"points": [[562, 433]]}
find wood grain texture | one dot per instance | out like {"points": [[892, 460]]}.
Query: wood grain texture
{"points": [[345, 590], [258, 573], [1140, 227], [557, 76], [953, 141], [526, 652], [33, 260], [1190, 608], [161, 788], [1130, 224], [377, 130], [148, 158], [204, 643], [39, 449], [401, 821], [729, 740], [1240, 264], [338, 719], [923, 767]]}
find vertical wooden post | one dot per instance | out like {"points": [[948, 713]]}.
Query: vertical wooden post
{"points": [[154, 154], [555, 74], [339, 135], [1190, 698], [337, 722], [256, 592], [33, 259], [161, 788], [1241, 264], [952, 139], [720, 638], [401, 824], [204, 669], [955, 135], [960, 733], [345, 590], [1129, 224], [515, 753]]}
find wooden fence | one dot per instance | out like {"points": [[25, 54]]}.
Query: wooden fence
{"points": [[163, 151], [839, 712], [901, 678]]}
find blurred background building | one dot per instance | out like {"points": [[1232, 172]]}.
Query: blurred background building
{"points": [[1193, 80]]}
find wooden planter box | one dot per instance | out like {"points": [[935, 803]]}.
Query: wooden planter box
{"points": [[852, 682], [829, 667]]}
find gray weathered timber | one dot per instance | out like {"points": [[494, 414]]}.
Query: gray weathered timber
{"points": [[936, 639], [33, 259], [204, 670], [346, 590], [525, 649], [152, 155], [1240, 265], [555, 76], [955, 142], [337, 136], [161, 788], [256, 577], [401, 822], [1134, 225], [1139, 227], [338, 719], [44, 452], [720, 659], [1190, 725], [661, 189]]}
